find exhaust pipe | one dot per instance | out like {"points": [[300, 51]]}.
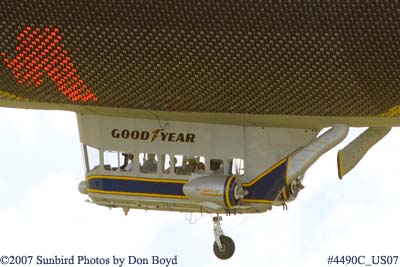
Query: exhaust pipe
{"points": [[351, 154], [304, 157]]}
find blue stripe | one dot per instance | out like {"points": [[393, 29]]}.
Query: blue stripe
{"points": [[133, 186], [269, 186], [230, 194]]}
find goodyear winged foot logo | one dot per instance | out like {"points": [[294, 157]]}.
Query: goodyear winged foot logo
{"points": [[41, 52], [155, 134]]}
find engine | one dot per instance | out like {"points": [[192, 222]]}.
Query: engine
{"points": [[221, 190], [291, 191]]}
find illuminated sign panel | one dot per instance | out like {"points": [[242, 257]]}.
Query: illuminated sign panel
{"points": [[42, 52]]}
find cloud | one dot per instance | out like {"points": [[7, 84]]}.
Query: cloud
{"points": [[356, 215], [54, 219], [20, 123], [64, 123], [3, 187]]}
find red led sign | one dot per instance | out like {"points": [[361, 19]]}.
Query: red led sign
{"points": [[41, 52]]}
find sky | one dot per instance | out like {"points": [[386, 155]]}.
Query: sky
{"points": [[43, 214]]}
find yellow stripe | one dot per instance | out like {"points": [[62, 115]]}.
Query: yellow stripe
{"points": [[340, 164], [228, 184], [258, 201], [11, 96], [284, 194], [252, 182], [136, 194], [287, 170], [144, 179], [394, 111]]}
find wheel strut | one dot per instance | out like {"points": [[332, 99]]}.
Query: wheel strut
{"points": [[218, 231], [224, 247]]}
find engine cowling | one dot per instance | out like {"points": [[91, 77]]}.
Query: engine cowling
{"points": [[83, 187], [221, 190]]}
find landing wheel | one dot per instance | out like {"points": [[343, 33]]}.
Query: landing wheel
{"points": [[227, 248]]}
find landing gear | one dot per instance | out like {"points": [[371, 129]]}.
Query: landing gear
{"points": [[227, 249], [224, 247]]}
